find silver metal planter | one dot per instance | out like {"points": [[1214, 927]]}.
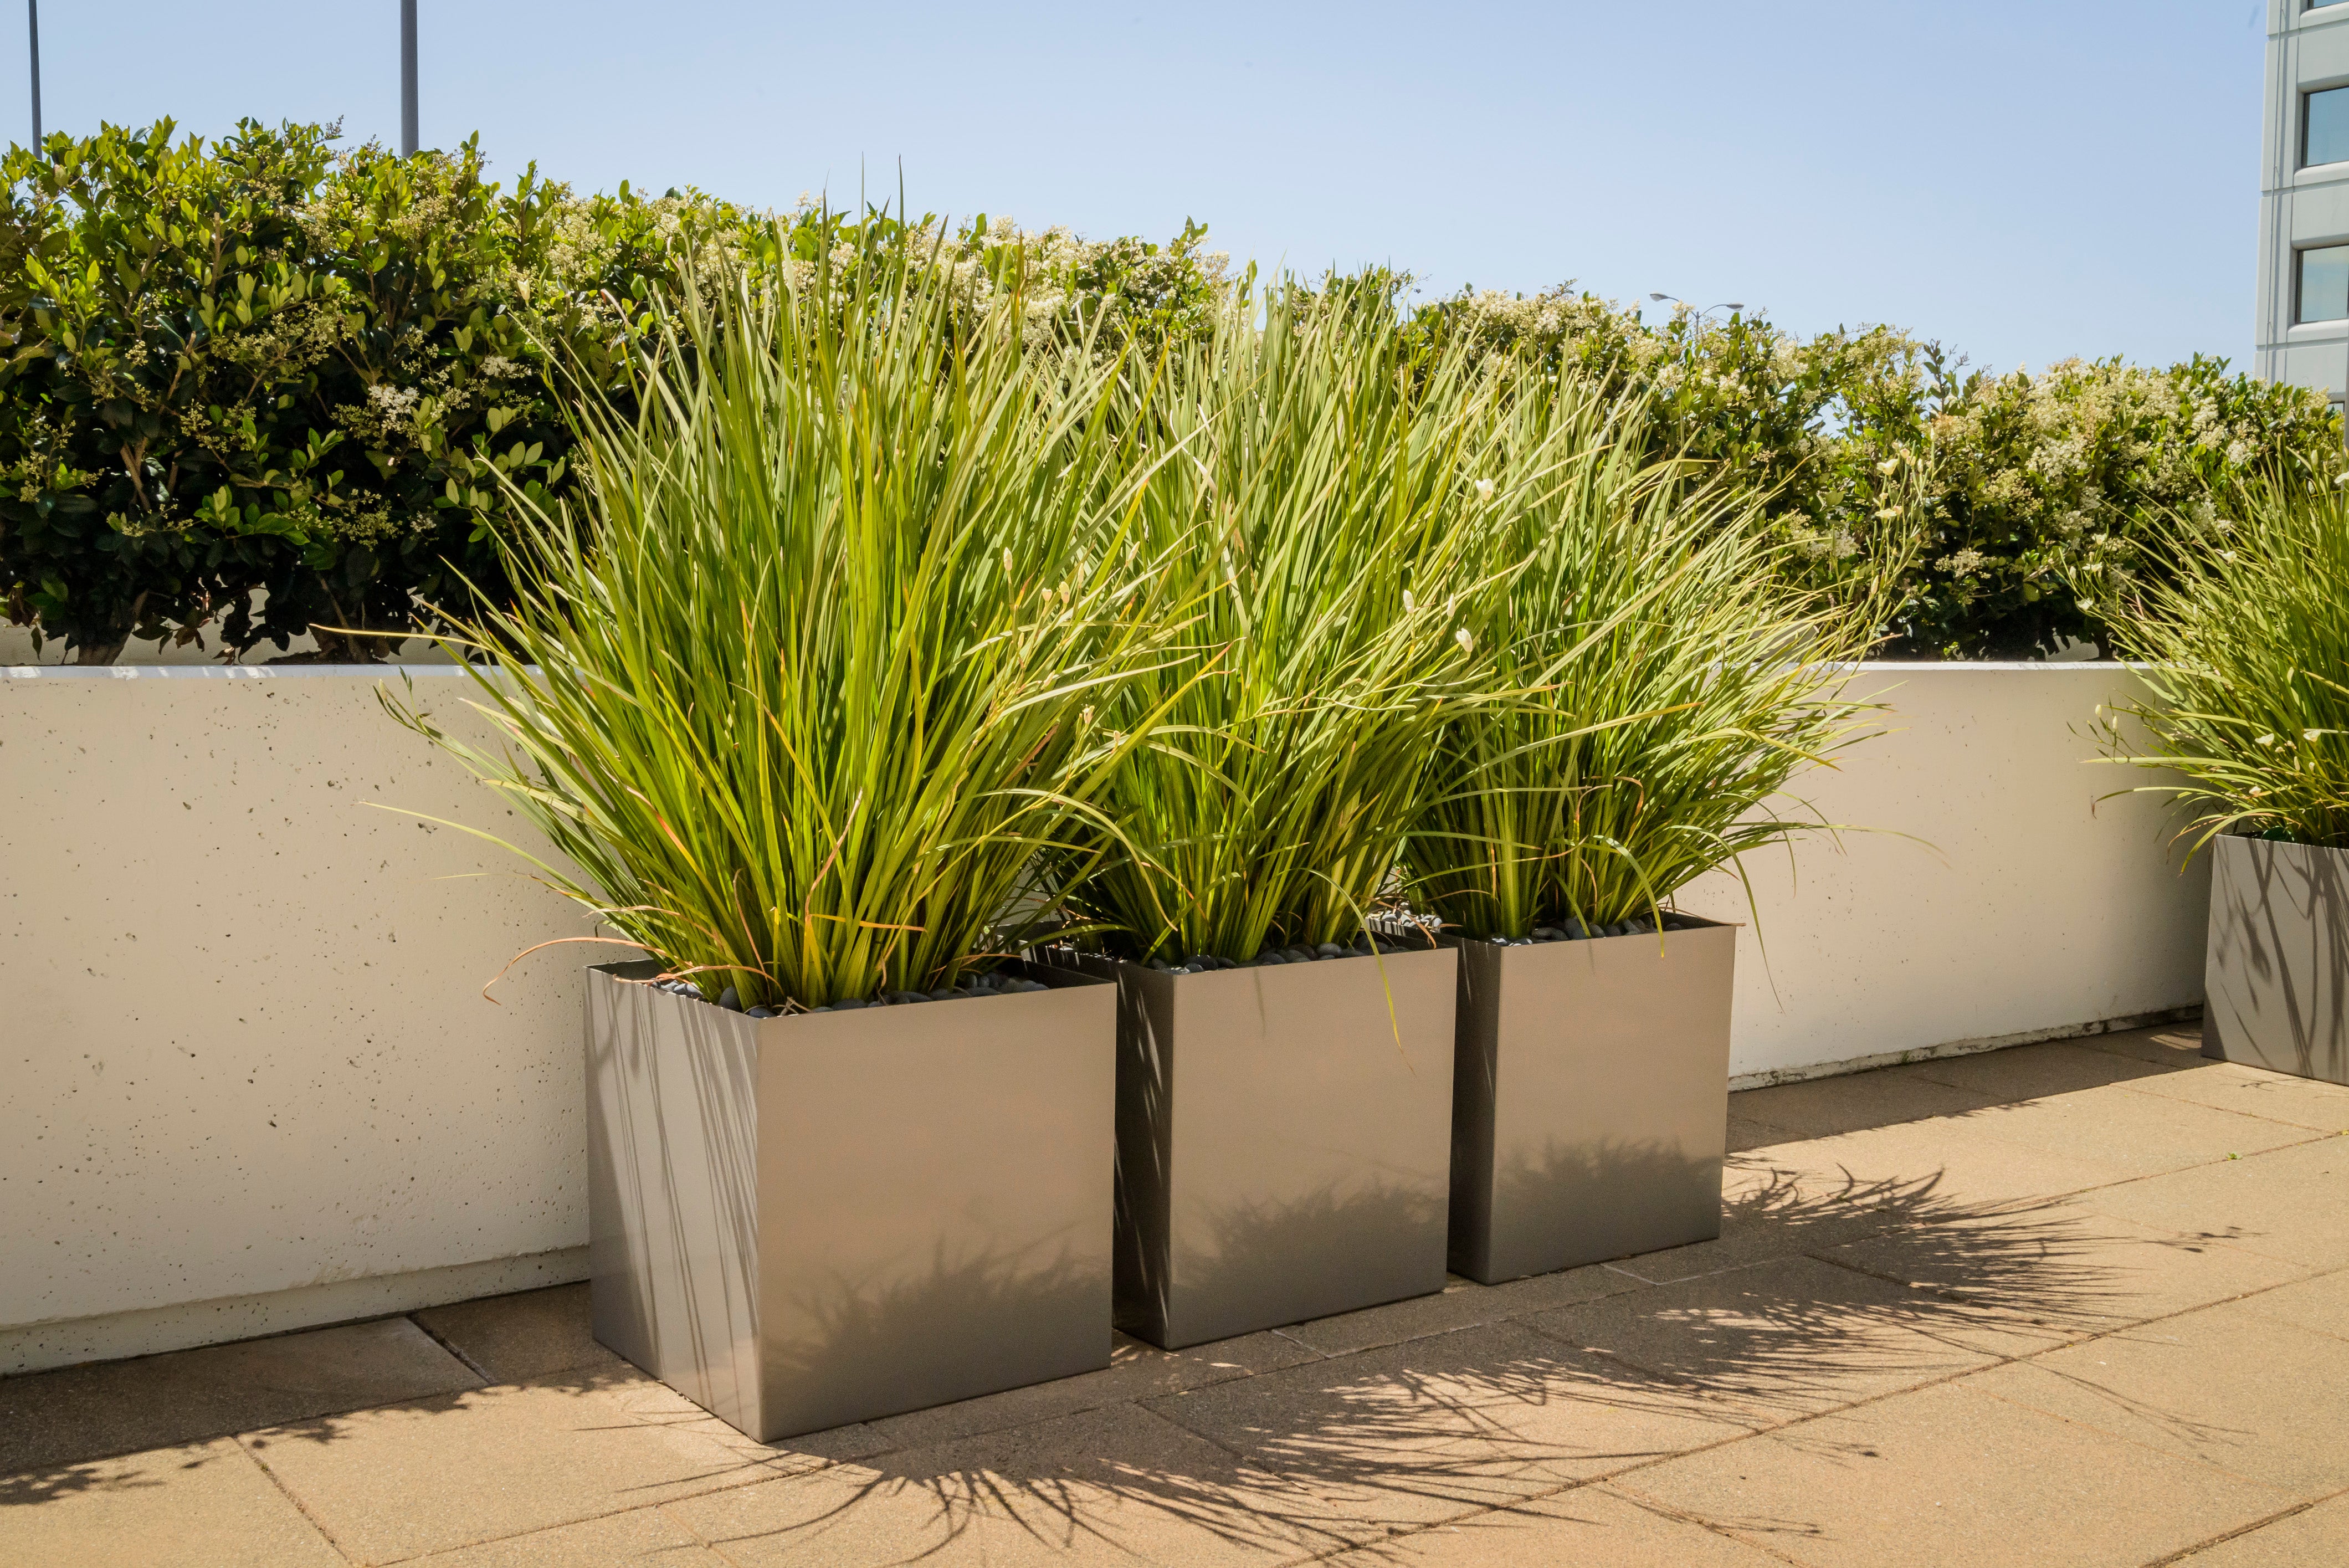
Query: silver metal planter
{"points": [[799, 1222], [2276, 973], [1591, 1099], [1282, 1139]]}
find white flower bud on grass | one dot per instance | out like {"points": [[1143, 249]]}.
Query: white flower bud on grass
{"points": [[1467, 643]]}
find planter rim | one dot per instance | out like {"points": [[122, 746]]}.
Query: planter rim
{"points": [[1028, 970], [1689, 922]]}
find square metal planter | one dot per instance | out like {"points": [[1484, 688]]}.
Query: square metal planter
{"points": [[1283, 1141], [1590, 1098], [2276, 973], [802, 1221]]}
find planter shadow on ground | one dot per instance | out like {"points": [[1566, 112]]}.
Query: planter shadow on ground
{"points": [[1331, 1452]]}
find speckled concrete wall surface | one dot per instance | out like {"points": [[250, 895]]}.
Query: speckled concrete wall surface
{"points": [[252, 1083], [1994, 897], [250, 1067]]}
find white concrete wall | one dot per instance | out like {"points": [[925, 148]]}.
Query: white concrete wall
{"points": [[2019, 904], [252, 1083], [249, 1065]]}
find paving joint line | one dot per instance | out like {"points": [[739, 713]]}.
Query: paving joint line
{"points": [[700, 1539], [1994, 1362], [2130, 1085], [312, 1520], [2200, 1547], [1657, 1505], [480, 1371], [492, 1540]]}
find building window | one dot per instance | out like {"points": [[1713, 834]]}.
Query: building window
{"points": [[2323, 283], [2324, 127]]}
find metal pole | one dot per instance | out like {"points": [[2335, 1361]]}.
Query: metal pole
{"points": [[407, 79], [33, 19]]}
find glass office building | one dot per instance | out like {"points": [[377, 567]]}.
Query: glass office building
{"points": [[2303, 333]]}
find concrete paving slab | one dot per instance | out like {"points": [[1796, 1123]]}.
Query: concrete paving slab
{"points": [[2168, 1045], [2249, 1395], [1951, 1478], [1953, 1160], [1592, 1525], [2321, 1303], [2302, 1539], [1564, 1287], [49, 1419], [433, 1475], [1113, 1486], [199, 1505], [2054, 1067], [1767, 1213], [2256, 1092], [1744, 1134], [1425, 1431], [1136, 1371], [516, 1338], [1789, 1338], [2143, 1134], [644, 1538], [2289, 1203], [2067, 1267], [1463, 1305], [1856, 1102]]}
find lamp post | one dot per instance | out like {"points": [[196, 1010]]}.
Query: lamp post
{"points": [[32, 21], [1732, 306], [407, 79]]}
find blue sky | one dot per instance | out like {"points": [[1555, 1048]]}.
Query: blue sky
{"points": [[2022, 179]]}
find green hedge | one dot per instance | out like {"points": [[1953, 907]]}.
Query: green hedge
{"points": [[269, 371], [266, 364], [2024, 505]]}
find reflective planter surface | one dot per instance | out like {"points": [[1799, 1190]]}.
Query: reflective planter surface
{"points": [[1590, 1104], [799, 1222], [2276, 976], [1283, 1137]]}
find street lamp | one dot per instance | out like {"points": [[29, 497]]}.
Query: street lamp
{"points": [[407, 79], [33, 20], [1732, 306]]}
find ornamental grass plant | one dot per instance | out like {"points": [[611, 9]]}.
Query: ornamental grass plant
{"points": [[1319, 468], [805, 678], [2246, 651], [1657, 681]]}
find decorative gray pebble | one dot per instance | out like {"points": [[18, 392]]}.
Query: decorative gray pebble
{"points": [[730, 1000]]}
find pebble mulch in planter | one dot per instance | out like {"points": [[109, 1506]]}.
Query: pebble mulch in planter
{"points": [[1575, 930], [982, 985]]}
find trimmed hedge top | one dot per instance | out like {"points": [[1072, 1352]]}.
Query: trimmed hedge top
{"points": [[261, 387]]}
